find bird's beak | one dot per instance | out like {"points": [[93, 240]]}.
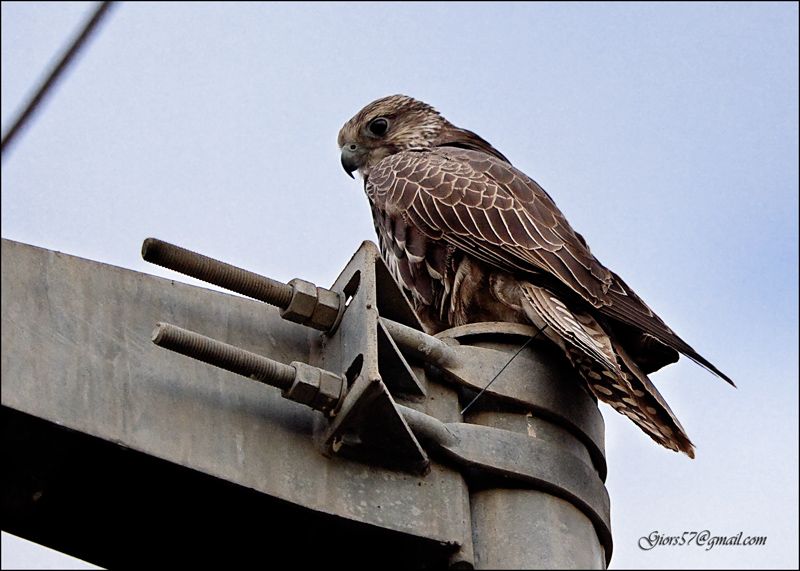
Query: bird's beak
{"points": [[352, 158]]}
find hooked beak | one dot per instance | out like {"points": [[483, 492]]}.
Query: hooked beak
{"points": [[352, 158]]}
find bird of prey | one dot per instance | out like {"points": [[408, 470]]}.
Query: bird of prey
{"points": [[470, 238]]}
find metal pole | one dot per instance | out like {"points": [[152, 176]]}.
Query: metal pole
{"points": [[534, 522]]}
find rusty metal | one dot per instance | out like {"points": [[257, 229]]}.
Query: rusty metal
{"points": [[311, 386]]}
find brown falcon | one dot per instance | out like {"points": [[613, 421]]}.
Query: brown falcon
{"points": [[470, 238]]}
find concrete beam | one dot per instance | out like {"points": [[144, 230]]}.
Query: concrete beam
{"points": [[76, 353]]}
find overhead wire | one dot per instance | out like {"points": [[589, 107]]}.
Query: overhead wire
{"points": [[47, 85]]}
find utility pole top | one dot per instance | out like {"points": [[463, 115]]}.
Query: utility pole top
{"points": [[329, 426]]}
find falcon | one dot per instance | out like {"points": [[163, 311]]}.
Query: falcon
{"points": [[470, 238]]}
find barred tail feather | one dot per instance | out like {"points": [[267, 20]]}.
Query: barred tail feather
{"points": [[610, 373]]}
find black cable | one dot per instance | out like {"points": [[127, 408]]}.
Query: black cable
{"points": [[483, 390], [54, 75]]}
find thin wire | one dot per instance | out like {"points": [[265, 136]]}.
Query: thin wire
{"points": [[483, 390], [45, 88]]}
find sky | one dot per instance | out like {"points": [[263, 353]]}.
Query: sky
{"points": [[666, 133]]}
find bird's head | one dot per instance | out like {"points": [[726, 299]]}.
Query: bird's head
{"points": [[385, 127], [399, 123]]}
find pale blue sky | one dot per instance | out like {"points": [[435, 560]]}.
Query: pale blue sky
{"points": [[667, 133]]}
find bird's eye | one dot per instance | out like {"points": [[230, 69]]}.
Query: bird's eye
{"points": [[378, 127]]}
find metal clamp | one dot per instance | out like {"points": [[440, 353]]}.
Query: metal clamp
{"points": [[517, 456]]}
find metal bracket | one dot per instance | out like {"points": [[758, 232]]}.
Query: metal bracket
{"points": [[530, 383], [363, 366], [368, 425], [522, 458], [353, 356]]}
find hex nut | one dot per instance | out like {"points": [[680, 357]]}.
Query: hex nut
{"points": [[326, 312], [303, 302], [330, 391], [314, 387], [306, 384]]}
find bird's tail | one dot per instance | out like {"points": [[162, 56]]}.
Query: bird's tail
{"points": [[611, 374]]}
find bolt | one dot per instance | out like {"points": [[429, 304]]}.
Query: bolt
{"points": [[300, 301], [218, 273], [223, 355], [317, 388], [430, 349]]}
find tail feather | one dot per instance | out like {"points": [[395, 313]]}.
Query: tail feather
{"points": [[611, 374]]}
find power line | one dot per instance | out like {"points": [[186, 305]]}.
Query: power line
{"points": [[54, 75]]}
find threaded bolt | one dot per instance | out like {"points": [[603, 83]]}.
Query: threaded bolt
{"points": [[216, 272], [223, 355]]}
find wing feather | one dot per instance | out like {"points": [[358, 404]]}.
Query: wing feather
{"points": [[497, 214], [499, 226]]}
